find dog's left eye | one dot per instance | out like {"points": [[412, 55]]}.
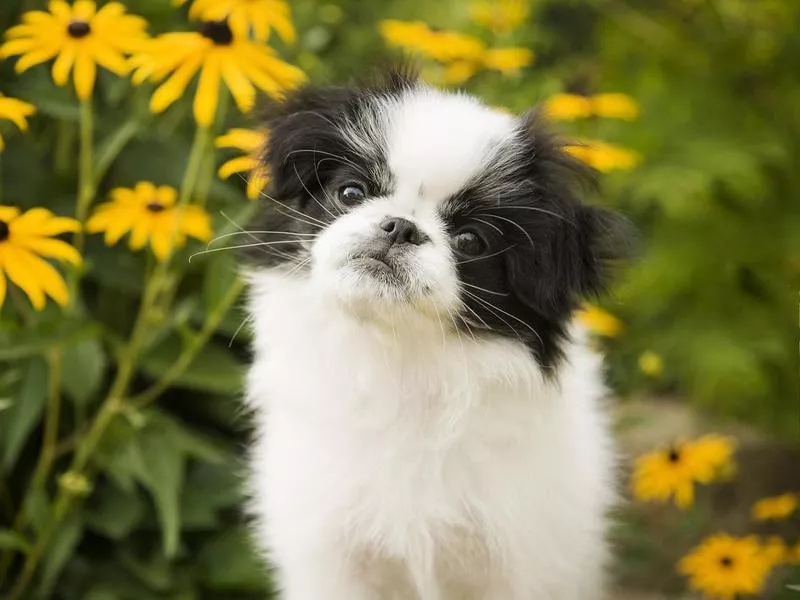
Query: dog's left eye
{"points": [[352, 193], [468, 242]]}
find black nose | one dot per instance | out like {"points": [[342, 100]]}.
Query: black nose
{"points": [[403, 231]]}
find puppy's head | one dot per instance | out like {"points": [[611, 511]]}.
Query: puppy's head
{"points": [[398, 198]]}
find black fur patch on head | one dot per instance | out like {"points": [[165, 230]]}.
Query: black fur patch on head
{"points": [[545, 249], [313, 149]]}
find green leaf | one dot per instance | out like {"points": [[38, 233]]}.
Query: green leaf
{"points": [[155, 571], [115, 512], [10, 540], [221, 273], [26, 342], [61, 550], [18, 421], [161, 470], [189, 441], [37, 508], [229, 562], [84, 364], [214, 370]]}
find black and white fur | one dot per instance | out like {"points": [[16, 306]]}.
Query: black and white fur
{"points": [[429, 421]]}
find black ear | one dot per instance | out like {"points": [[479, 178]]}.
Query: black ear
{"points": [[576, 246]]}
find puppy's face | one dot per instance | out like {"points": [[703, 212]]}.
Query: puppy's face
{"points": [[401, 198]]}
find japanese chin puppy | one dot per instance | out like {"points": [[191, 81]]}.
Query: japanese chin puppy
{"points": [[429, 420]]}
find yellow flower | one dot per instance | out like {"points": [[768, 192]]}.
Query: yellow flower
{"points": [[15, 111], [724, 567], [507, 60], [220, 55], [501, 16], [651, 364], [251, 142], [570, 107], [598, 321], [674, 471], [776, 551], [80, 36], [25, 240], [615, 106], [603, 156], [258, 16], [776, 507], [443, 46], [149, 214], [459, 71]]}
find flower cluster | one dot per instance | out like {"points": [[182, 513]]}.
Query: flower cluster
{"points": [[463, 55], [722, 566], [227, 52]]}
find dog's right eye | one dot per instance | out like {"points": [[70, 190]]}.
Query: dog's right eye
{"points": [[352, 193]]}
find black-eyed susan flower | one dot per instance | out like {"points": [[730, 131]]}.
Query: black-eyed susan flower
{"points": [[26, 240], [775, 507], [149, 214], [651, 363], [79, 37], [500, 16], [15, 111], [419, 38], [220, 55], [244, 16], [603, 156], [599, 321], [723, 567], [674, 471], [508, 61], [570, 107], [250, 142]]}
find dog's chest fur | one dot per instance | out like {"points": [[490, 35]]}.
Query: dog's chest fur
{"points": [[438, 463]]}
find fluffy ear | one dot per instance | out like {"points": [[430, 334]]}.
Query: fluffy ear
{"points": [[575, 248]]}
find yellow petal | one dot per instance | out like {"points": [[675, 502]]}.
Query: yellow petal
{"points": [[41, 222], [8, 213], [256, 183], [196, 223], [35, 57], [207, 96], [2, 282], [63, 64], [174, 87], [110, 58], [85, 71], [139, 234], [22, 269], [244, 94], [242, 164], [50, 248], [244, 139], [166, 195], [161, 244], [83, 10], [60, 10]]}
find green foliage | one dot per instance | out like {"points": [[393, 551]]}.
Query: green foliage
{"points": [[714, 291]]}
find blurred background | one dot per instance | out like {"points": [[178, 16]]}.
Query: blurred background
{"points": [[121, 361]]}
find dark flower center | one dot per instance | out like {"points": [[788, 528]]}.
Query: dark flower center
{"points": [[674, 455], [4, 231], [726, 562], [78, 29], [156, 207], [218, 32]]}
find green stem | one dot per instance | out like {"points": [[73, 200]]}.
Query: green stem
{"points": [[65, 140], [191, 349], [51, 422], [85, 178]]}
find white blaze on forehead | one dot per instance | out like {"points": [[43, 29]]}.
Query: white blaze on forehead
{"points": [[437, 142]]}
